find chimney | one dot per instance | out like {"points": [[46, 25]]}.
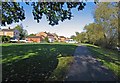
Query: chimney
{"points": [[8, 27]]}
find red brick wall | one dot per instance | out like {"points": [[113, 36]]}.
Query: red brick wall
{"points": [[34, 39], [62, 39]]}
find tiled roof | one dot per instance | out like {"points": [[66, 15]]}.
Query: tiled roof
{"points": [[34, 37], [62, 37], [48, 34], [7, 30]]}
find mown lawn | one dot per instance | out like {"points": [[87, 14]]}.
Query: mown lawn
{"points": [[35, 62], [109, 58]]}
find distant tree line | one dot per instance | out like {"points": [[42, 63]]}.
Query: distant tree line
{"points": [[104, 31]]}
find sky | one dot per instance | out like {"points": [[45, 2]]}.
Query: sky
{"points": [[65, 28]]}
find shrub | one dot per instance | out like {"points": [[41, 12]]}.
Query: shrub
{"points": [[46, 39], [5, 39]]}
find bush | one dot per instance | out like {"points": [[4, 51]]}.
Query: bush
{"points": [[46, 39], [5, 39]]}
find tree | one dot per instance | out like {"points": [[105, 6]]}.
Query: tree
{"points": [[23, 32], [54, 11], [76, 33], [32, 34], [106, 14], [5, 39], [94, 33], [13, 12], [81, 37], [73, 37], [46, 39]]}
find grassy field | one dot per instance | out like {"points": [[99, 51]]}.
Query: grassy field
{"points": [[109, 58], [36, 62]]}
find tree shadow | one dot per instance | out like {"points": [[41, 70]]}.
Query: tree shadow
{"points": [[87, 68], [110, 60], [32, 62], [104, 57]]}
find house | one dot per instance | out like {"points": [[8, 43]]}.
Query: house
{"points": [[50, 37], [55, 36], [37, 39], [16, 34], [10, 32], [43, 34], [62, 39]]}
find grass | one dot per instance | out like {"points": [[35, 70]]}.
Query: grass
{"points": [[109, 58], [35, 62], [60, 72]]}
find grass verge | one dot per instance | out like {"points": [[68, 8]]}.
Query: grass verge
{"points": [[109, 58], [60, 72]]}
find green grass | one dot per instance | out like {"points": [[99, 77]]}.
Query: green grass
{"points": [[109, 58], [35, 62], [62, 69]]}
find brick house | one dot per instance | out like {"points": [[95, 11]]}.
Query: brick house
{"points": [[51, 37], [61, 39], [10, 32], [43, 34], [55, 36], [37, 39]]}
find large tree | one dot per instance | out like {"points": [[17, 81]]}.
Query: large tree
{"points": [[94, 33], [80, 37], [106, 14], [54, 11], [23, 32]]}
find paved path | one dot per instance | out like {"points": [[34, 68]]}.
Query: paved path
{"points": [[87, 68]]}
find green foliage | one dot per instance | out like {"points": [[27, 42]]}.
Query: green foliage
{"points": [[106, 14], [23, 32], [13, 12], [109, 58], [46, 39], [76, 33], [73, 37], [60, 72], [94, 33], [80, 37], [32, 34], [5, 39], [104, 31], [53, 11]]}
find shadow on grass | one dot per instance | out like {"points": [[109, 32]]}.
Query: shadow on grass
{"points": [[109, 58], [106, 55], [32, 62]]}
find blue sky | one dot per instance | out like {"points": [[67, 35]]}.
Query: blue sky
{"points": [[66, 28]]}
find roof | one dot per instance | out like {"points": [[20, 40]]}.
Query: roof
{"points": [[7, 30], [42, 32], [49, 34], [62, 37], [34, 37]]}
